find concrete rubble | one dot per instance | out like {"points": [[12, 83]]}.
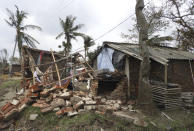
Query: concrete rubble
{"points": [[33, 117]]}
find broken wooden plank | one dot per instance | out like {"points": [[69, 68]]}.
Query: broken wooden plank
{"points": [[59, 79]]}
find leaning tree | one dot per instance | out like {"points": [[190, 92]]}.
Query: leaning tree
{"points": [[16, 20]]}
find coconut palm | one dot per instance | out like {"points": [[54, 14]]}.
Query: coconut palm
{"points": [[69, 31], [88, 42], [17, 21]]}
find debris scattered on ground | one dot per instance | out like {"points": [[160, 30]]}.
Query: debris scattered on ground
{"points": [[33, 117], [168, 117]]}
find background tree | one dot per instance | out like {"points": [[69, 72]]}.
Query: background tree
{"points": [[181, 13], [156, 24], [17, 21], [88, 42], [3, 59], [15, 60], [69, 31]]}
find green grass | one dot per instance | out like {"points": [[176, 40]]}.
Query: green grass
{"points": [[10, 83], [89, 121]]}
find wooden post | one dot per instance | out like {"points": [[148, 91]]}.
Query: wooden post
{"points": [[32, 65], [166, 74], [22, 69], [127, 73], [59, 79]]}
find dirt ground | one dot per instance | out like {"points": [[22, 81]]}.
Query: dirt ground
{"points": [[8, 89]]}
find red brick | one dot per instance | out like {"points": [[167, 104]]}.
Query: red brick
{"points": [[78, 105], [1, 116], [5, 106], [40, 101], [8, 109], [44, 93], [64, 111], [35, 88], [40, 105]]}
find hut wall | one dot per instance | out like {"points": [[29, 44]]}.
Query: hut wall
{"points": [[156, 71], [134, 66], [47, 58], [179, 72], [16, 68]]}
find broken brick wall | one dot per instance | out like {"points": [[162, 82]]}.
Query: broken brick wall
{"points": [[120, 92], [113, 90]]}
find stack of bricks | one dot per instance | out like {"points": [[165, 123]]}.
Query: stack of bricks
{"points": [[94, 87], [120, 92]]}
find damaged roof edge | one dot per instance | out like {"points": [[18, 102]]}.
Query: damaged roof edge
{"points": [[38, 50], [161, 60]]}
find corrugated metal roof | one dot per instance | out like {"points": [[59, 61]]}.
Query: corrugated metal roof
{"points": [[157, 53]]}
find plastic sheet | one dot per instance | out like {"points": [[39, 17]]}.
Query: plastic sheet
{"points": [[104, 60]]}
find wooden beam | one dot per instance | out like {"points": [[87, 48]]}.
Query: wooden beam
{"points": [[33, 64], [166, 74], [59, 79], [127, 73]]}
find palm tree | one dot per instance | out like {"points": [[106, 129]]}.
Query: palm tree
{"points": [[69, 31], [88, 42], [16, 21]]}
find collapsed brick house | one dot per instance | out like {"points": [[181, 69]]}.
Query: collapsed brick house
{"points": [[40, 57], [168, 65], [50, 68]]}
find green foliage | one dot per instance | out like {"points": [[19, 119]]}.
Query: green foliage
{"points": [[10, 83], [69, 32], [156, 23], [181, 13], [88, 42], [92, 54]]}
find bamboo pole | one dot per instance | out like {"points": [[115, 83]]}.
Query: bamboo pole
{"points": [[191, 70], [59, 79]]}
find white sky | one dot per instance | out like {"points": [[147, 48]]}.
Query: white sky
{"points": [[98, 16]]}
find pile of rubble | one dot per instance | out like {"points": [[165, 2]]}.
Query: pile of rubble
{"points": [[60, 100]]}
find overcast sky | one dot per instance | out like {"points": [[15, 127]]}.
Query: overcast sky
{"points": [[98, 16]]}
